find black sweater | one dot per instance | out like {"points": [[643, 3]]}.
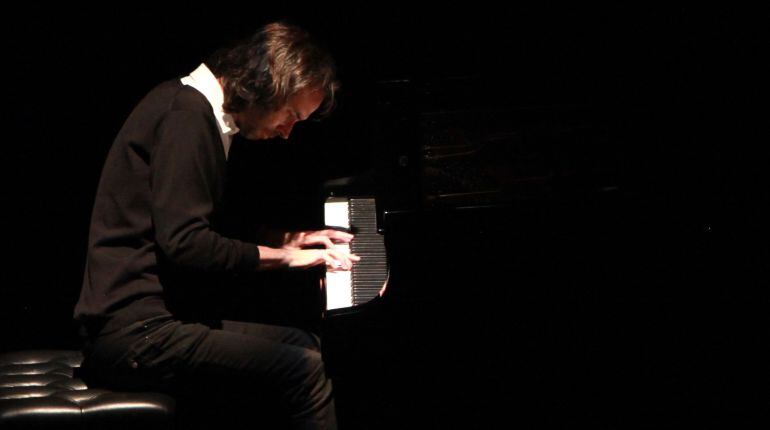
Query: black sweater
{"points": [[159, 193]]}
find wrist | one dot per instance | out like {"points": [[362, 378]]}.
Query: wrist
{"points": [[273, 258]]}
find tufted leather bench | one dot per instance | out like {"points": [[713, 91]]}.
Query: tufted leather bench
{"points": [[40, 389]]}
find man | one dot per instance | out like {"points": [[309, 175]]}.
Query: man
{"points": [[153, 231]]}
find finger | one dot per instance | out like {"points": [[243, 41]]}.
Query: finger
{"points": [[334, 265], [339, 261], [352, 258], [333, 262], [339, 236], [326, 242], [319, 240], [342, 262]]}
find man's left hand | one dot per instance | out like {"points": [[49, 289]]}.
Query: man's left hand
{"points": [[304, 239]]}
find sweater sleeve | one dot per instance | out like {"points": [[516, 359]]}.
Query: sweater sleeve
{"points": [[186, 171]]}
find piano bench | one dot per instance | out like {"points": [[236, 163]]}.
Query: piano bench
{"points": [[40, 389]]}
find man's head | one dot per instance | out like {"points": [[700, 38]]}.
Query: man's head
{"points": [[257, 123], [276, 78]]}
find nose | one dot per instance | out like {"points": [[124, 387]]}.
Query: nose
{"points": [[285, 129]]}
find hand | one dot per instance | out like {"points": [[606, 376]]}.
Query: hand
{"points": [[334, 259], [326, 238]]}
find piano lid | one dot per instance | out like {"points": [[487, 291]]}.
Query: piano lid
{"points": [[450, 143]]}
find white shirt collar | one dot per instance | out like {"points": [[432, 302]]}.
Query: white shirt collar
{"points": [[206, 83]]}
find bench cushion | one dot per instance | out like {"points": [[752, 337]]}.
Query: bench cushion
{"points": [[40, 389]]}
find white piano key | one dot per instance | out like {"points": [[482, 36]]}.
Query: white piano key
{"points": [[336, 212], [338, 290]]}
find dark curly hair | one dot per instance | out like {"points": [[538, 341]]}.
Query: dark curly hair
{"points": [[274, 64]]}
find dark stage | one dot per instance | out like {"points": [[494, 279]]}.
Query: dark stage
{"points": [[613, 279]]}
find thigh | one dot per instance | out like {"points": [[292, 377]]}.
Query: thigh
{"points": [[214, 371], [281, 334], [221, 358], [176, 355], [131, 358]]}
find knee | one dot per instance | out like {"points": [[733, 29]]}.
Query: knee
{"points": [[313, 341], [316, 388], [305, 339], [311, 374], [313, 365]]}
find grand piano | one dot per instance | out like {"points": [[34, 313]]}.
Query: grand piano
{"points": [[536, 274]]}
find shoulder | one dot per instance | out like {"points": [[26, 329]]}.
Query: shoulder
{"points": [[179, 97]]}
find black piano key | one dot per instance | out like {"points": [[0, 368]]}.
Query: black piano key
{"points": [[369, 274]]}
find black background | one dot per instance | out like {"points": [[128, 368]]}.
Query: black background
{"points": [[692, 81]]}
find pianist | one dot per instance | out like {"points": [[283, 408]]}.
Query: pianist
{"points": [[154, 223]]}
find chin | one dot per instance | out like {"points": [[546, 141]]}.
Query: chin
{"points": [[253, 136]]}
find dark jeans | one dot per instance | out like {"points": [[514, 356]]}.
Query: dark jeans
{"points": [[234, 361]]}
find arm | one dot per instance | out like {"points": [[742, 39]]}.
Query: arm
{"points": [[186, 179]]}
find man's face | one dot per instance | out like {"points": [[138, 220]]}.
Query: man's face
{"points": [[257, 124]]}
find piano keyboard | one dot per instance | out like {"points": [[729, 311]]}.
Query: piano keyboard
{"points": [[363, 283]]}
